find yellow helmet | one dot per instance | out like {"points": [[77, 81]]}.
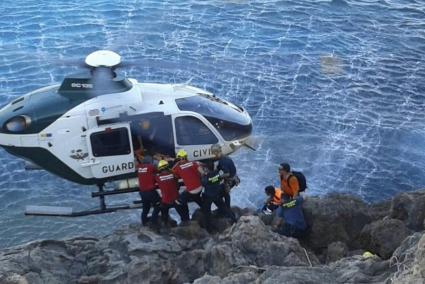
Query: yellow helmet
{"points": [[181, 154], [367, 254], [162, 164]]}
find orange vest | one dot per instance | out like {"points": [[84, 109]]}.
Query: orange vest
{"points": [[290, 188], [277, 198]]}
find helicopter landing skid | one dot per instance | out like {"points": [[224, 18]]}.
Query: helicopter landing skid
{"points": [[56, 211]]}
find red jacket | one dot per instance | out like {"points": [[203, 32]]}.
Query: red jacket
{"points": [[188, 171], [168, 186], [146, 174]]}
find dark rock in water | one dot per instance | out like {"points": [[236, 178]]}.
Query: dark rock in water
{"points": [[384, 236], [335, 218], [342, 229], [410, 208]]}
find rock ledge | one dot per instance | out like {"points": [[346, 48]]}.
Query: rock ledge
{"points": [[342, 228]]}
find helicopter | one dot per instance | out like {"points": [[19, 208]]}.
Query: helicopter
{"points": [[88, 128]]}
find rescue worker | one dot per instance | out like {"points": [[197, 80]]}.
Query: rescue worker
{"points": [[168, 187], [212, 188], [292, 222], [227, 166], [274, 199], [147, 187], [190, 172], [288, 182]]}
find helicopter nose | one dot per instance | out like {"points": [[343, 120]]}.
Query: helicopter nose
{"points": [[11, 123], [2, 117]]}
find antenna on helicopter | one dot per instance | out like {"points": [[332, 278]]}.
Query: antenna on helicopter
{"points": [[102, 79], [102, 64], [103, 58]]}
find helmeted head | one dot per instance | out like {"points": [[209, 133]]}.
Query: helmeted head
{"points": [[216, 150], [269, 190], [181, 155], [284, 168], [163, 165]]}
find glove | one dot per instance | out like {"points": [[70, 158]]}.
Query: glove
{"points": [[237, 180]]}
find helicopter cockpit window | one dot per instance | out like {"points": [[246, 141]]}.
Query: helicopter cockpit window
{"points": [[230, 130], [228, 119], [191, 131], [111, 142], [208, 105]]}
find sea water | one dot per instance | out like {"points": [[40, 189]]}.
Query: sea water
{"points": [[335, 88]]}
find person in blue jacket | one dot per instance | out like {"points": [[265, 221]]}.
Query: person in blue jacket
{"points": [[212, 189], [292, 217], [229, 176]]}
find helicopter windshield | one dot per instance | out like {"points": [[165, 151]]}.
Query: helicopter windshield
{"points": [[227, 118]]}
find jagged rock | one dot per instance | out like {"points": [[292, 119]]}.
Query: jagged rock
{"points": [[357, 269], [335, 218], [419, 264], [295, 275], [378, 211], [336, 251], [263, 247], [384, 236], [208, 279], [14, 278], [149, 269], [270, 219], [267, 219], [240, 278], [410, 208], [409, 260], [192, 231], [245, 252], [222, 258], [219, 222], [239, 212], [233, 278]]}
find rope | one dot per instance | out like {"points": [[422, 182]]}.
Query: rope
{"points": [[308, 258]]}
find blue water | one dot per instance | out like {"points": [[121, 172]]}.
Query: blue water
{"points": [[334, 87]]}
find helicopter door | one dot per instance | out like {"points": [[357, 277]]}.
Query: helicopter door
{"points": [[155, 132], [110, 151], [195, 136]]}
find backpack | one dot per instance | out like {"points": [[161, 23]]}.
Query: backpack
{"points": [[302, 182]]}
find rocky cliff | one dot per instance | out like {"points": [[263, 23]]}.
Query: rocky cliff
{"points": [[342, 228]]}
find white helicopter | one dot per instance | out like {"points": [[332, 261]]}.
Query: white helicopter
{"points": [[88, 128]]}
